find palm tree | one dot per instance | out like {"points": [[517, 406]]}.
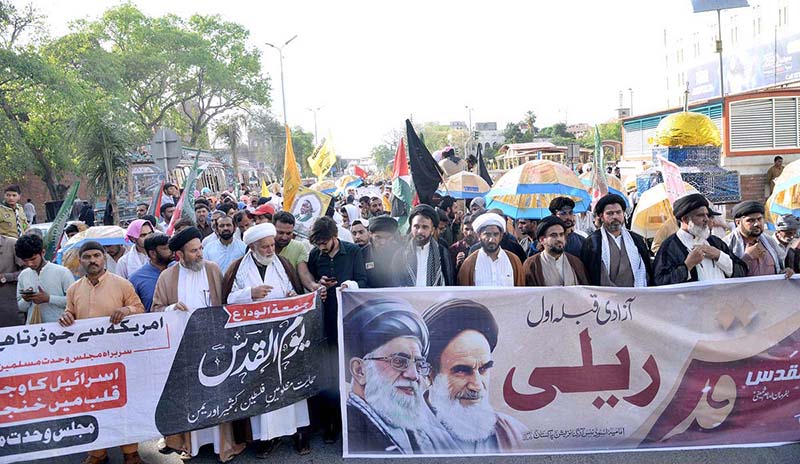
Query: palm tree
{"points": [[102, 150], [230, 130]]}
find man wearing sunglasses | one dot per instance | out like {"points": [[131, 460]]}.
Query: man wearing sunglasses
{"points": [[386, 342]]}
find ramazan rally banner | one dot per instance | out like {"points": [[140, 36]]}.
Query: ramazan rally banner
{"points": [[95, 385], [469, 371]]}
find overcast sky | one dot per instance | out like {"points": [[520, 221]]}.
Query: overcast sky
{"points": [[372, 64]]}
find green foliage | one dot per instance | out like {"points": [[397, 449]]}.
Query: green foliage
{"points": [[383, 156], [608, 131], [303, 145]]}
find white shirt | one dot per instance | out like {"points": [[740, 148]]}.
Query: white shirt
{"points": [[493, 272], [248, 277], [55, 280], [707, 269], [422, 264], [193, 288], [131, 262]]}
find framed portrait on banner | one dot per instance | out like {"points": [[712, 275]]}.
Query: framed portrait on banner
{"points": [[307, 207]]}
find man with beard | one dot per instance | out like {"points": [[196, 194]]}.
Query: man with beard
{"points": [[141, 210], [563, 208], [748, 241], [379, 251], [363, 204], [226, 249], [376, 207], [460, 249], [167, 210], [100, 293], [491, 266], [144, 280], [386, 342], [137, 232], [193, 284], [613, 256], [243, 220], [262, 275], [424, 262], [507, 242], [201, 211], [692, 254], [463, 336], [553, 266], [359, 230], [785, 234]]}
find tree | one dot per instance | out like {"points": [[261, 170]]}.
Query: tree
{"points": [[303, 145], [227, 74], [608, 131], [513, 134], [35, 101], [383, 156], [103, 144], [230, 130]]}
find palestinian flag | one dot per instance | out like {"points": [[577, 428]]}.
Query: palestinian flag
{"points": [[402, 193]]}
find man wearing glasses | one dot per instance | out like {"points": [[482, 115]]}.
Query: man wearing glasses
{"points": [[386, 342], [564, 209]]}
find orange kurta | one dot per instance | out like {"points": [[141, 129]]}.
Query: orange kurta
{"points": [[85, 300]]}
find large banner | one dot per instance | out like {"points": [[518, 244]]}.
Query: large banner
{"points": [[468, 371], [95, 385]]}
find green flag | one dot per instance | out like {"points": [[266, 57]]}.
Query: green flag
{"points": [[599, 181], [53, 237], [402, 192], [188, 190]]}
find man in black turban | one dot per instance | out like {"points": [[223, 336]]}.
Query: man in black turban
{"points": [[463, 336], [378, 254], [748, 241], [692, 254], [614, 256], [386, 343], [424, 261]]}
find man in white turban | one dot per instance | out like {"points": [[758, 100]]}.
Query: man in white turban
{"points": [[490, 265], [261, 275]]}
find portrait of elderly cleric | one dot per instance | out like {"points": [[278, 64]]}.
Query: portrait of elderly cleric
{"points": [[463, 335], [386, 344]]}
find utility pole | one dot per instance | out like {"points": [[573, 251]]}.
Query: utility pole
{"points": [[283, 88]]}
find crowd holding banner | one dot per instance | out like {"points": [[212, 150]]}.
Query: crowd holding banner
{"points": [[249, 318]]}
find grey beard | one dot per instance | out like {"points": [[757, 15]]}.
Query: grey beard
{"points": [[395, 408], [263, 260], [699, 233], [195, 266], [472, 423]]}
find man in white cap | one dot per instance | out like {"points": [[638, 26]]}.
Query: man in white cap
{"points": [[491, 266], [261, 275]]}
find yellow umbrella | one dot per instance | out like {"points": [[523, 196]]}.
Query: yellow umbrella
{"points": [[653, 210], [325, 186], [464, 185]]}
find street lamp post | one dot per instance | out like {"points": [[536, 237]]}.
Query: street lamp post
{"points": [[283, 89], [314, 110], [468, 145]]}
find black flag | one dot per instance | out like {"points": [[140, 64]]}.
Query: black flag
{"points": [[482, 171], [425, 172]]}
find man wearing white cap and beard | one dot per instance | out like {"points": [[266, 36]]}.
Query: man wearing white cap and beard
{"points": [[491, 266], [262, 275]]}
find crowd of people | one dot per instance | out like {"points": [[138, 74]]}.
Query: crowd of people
{"points": [[242, 250]]}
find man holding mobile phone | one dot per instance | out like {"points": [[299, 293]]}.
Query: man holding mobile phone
{"points": [[333, 263], [42, 286]]}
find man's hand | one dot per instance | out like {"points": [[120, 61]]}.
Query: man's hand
{"points": [[291, 293], [323, 292], [788, 273], [694, 258], [460, 258], [755, 251], [257, 293], [710, 252], [66, 319], [119, 314], [328, 281], [181, 306], [37, 298]]}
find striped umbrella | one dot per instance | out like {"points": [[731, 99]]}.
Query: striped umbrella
{"points": [[464, 185], [785, 198], [653, 210], [345, 182], [527, 190], [325, 186], [614, 185]]}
